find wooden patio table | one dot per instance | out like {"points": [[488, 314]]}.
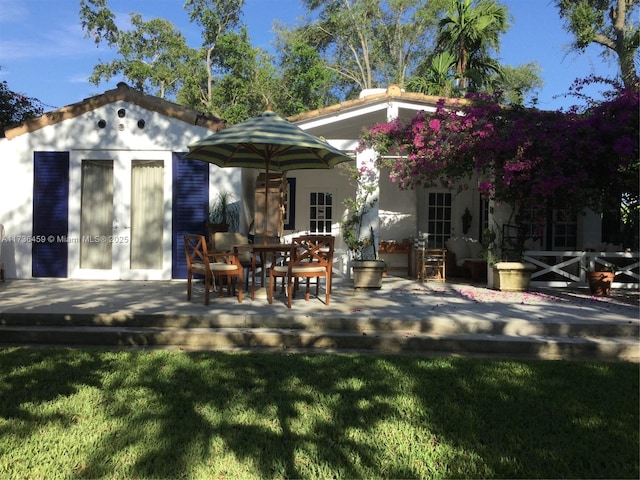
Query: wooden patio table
{"points": [[263, 251]]}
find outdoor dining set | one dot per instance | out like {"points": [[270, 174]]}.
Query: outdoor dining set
{"points": [[224, 260], [228, 259], [270, 143]]}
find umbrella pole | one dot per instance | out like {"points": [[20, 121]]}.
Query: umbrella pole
{"points": [[265, 223]]}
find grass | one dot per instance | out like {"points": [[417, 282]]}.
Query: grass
{"points": [[169, 414]]}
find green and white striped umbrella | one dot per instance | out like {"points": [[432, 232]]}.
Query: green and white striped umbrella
{"points": [[267, 142]]}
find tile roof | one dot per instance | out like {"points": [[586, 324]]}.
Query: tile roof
{"points": [[125, 93], [392, 93]]}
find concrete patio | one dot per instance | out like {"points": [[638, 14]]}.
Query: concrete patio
{"points": [[405, 316]]}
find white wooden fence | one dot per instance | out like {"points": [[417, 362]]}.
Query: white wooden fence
{"points": [[564, 269]]}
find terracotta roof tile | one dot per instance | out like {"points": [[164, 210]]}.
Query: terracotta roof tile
{"points": [[122, 93], [392, 93]]}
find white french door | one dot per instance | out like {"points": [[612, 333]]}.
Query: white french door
{"points": [[117, 216], [439, 218]]}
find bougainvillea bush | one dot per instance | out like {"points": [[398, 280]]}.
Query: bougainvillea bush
{"points": [[582, 157]]}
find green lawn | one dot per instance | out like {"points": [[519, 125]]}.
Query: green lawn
{"points": [[159, 414]]}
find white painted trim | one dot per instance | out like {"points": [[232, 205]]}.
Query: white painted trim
{"points": [[583, 260], [340, 116], [122, 209]]}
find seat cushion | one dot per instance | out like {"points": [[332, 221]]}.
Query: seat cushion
{"points": [[308, 269], [223, 267], [299, 269]]}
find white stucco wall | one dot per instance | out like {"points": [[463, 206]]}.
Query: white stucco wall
{"points": [[81, 136]]}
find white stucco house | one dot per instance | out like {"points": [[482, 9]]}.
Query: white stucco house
{"points": [[99, 189]]}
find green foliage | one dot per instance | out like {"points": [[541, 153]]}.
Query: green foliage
{"points": [[171, 414], [224, 77], [463, 60], [223, 210], [16, 107], [152, 56], [339, 49], [98, 22], [361, 242], [517, 84], [367, 43], [307, 83], [470, 30], [611, 24], [436, 76]]}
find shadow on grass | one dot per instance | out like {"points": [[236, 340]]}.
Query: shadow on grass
{"points": [[172, 414], [534, 419]]}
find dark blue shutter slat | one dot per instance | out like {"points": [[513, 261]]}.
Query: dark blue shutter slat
{"points": [[190, 206], [50, 214]]}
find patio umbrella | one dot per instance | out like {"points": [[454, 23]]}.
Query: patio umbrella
{"points": [[267, 142]]}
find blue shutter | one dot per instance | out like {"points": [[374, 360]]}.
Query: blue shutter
{"points": [[190, 207], [50, 214]]}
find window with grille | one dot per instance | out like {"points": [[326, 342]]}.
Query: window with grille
{"points": [[565, 230], [559, 230], [439, 218], [320, 212], [530, 225]]}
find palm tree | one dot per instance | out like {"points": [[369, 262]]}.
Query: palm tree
{"points": [[435, 77], [470, 30]]}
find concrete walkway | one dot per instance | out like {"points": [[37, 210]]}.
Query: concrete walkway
{"points": [[401, 301]]}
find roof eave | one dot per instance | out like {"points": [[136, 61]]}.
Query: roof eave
{"points": [[393, 93], [121, 93]]}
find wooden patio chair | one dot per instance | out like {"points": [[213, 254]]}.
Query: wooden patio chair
{"points": [[224, 242], [310, 256], [211, 265], [431, 264]]}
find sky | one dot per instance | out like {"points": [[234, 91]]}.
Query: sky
{"points": [[43, 52]]}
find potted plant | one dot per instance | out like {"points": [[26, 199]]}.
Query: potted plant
{"points": [[511, 274], [224, 214], [368, 269], [600, 278]]}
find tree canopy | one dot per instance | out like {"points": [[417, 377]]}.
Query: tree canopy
{"points": [[470, 30], [341, 47], [16, 107], [612, 24]]}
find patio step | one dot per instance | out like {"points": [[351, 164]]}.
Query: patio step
{"points": [[509, 339]]}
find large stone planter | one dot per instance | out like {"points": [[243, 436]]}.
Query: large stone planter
{"points": [[512, 276], [367, 273]]}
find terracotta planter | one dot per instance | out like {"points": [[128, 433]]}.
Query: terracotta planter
{"points": [[367, 273], [600, 283], [512, 276]]}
